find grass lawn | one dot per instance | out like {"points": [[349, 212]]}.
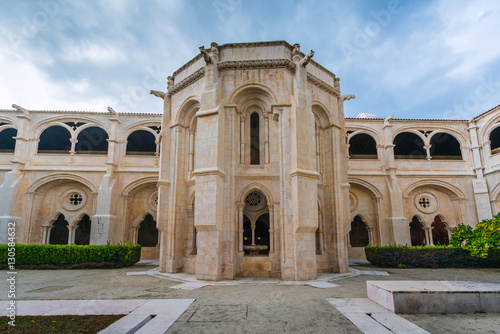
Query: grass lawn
{"points": [[81, 324]]}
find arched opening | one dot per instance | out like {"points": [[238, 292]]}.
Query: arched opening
{"points": [[408, 145], [254, 139], [55, 139], [445, 147], [59, 233], [417, 232], [358, 235], [362, 146], [92, 140], [82, 232], [247, 231], [141, 142], [439, 232], [495, 140], [256, 235], [318, 233], [7, 141], [147, 236], [262, 232]]}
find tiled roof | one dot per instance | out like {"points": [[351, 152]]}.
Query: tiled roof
{"points": [[487, 111], [87, 112], [410, 119]]}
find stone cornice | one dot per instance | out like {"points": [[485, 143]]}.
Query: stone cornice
{"points": [[209, 171], [186, 82], [305, 173], [258, 63], [322, 85]]}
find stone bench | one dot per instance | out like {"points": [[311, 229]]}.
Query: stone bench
{"points": [[435, 296]]}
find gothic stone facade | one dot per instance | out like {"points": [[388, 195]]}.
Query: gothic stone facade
{"points": [[251, 170]]}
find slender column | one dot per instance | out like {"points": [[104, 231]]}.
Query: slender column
{"points": [[320, 226], [318, 157], [271, 227], [241, 206], [46, 235], [253, 233], [191, 151], [135, 230], [242, 138], [428, 236], [428, 151], [371, 239], [71, 236], [266, 137], [448, 230]]}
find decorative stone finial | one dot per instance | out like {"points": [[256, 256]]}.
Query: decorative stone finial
{"points": [[170, 82], [20, 109], [304, 61], [158, 93], [212, 56], [336, 83], [296, 54], [112, 112]]}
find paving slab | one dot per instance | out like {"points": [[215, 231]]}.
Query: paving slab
{"points": [[372, 318], [435, 296]]}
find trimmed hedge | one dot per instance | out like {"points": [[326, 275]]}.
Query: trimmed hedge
{"points": [[428, 257], [67, 255]]}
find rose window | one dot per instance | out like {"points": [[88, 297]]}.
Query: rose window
{"points": [[156, 200], [75, 199], [253, 199], [424, 202]]}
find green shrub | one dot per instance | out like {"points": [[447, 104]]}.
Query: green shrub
{"points": [[482, 240], [428, 257], [65, 255]]}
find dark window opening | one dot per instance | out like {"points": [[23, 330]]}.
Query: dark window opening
{"points": [[141, 142], [417, 232], [408, 145], [247, 232], [358, 235], [93, 140], [156, 128], [147, 235], [362, 146], [82, 232], [262, 233], [59, 233], [55, 139], [7, 141], [445, 147], [439, 232], [495, 141], [254, 139]]}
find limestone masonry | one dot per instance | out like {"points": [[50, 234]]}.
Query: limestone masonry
{"points": [[251, 170]]}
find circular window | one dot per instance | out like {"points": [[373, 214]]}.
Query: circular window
{"points": [[73, 199], [353, 201], [255, 201], [426, 202], [153, 201]]}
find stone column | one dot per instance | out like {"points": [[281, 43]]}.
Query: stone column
{"points": [[135, 231], [397, 220], [242, 138], [318, 157], [191, 151], [371, 239], [211, 177], [480, 186], [46, 234], [271, 227], [428, 236], [266, 137], [241, 207]]}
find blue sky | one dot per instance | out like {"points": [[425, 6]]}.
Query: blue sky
{"points": [[411, 59]]}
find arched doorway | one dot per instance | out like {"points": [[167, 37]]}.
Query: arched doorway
{"points": [[147, 236], [59, 233], [256, 240], [417, 232], [358, 235], [82, 232], [439, 232]]}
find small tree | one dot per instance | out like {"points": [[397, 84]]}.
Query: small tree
{"points": [[479, 241]]}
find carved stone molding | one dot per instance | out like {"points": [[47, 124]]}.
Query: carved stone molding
{"points": [[186, 82], [322, 85], [259, 63]]}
